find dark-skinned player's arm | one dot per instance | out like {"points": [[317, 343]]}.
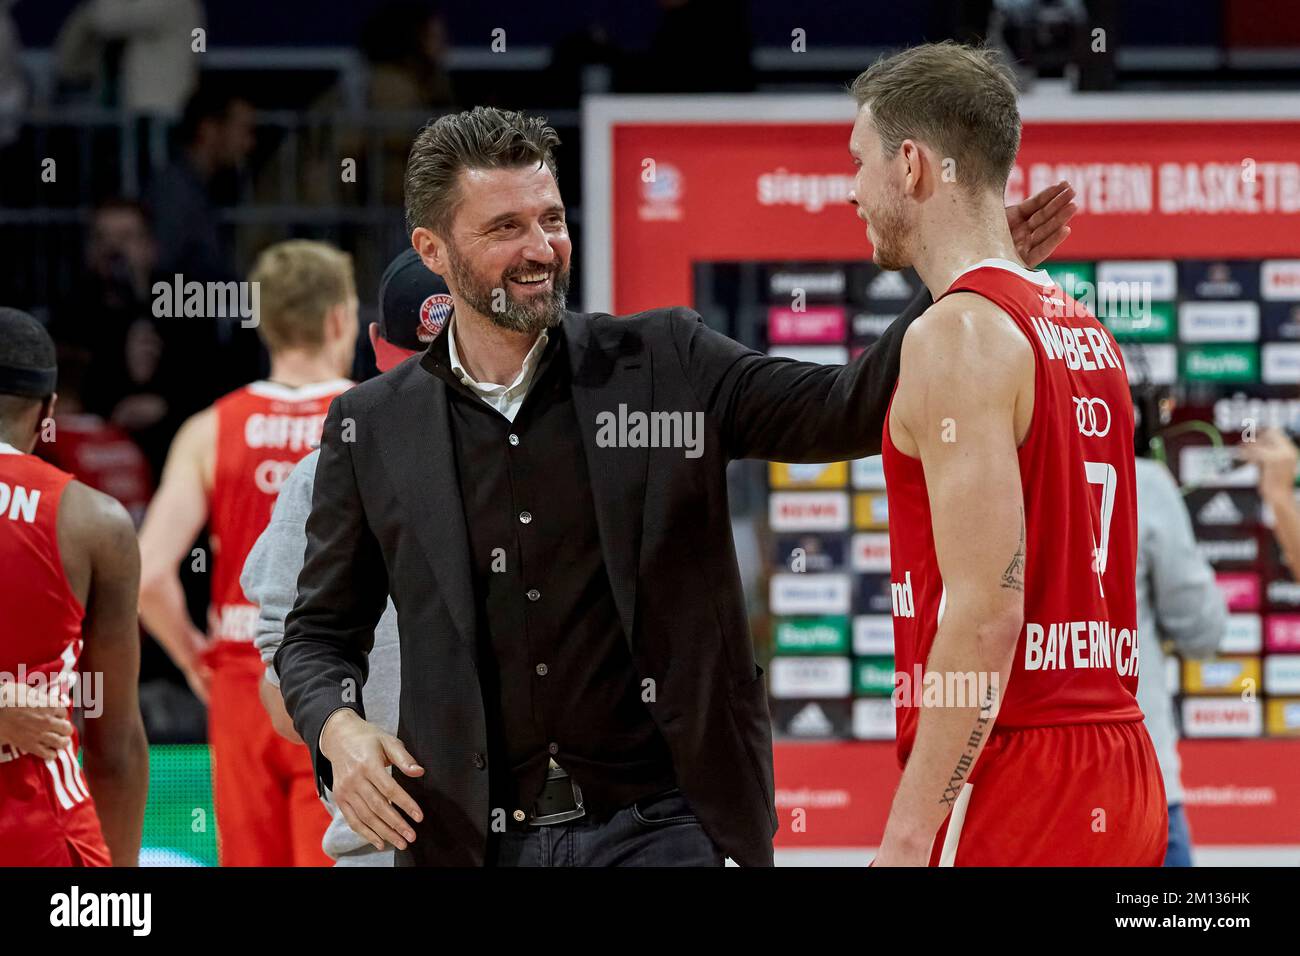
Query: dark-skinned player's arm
{"points": [[778, 409], [965, 370], [175, 517], [115, 750]]}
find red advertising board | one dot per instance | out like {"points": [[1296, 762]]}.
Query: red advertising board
{"points": [[1238, 793], [725, 182]]}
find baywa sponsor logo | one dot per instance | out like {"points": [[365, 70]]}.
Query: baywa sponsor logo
{"points": [[208, 300], [637, 429], [1219, 363], [133, 911]]}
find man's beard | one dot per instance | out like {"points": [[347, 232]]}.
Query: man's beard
{"points": [[496, 301], [890, 227]]}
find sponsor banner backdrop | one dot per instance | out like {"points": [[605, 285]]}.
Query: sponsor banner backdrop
{"points": [[1173, 189], [1236, 796]]}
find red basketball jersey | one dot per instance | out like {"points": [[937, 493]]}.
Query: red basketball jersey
{"points": [[263, 431], [1077, 658], [45, 805], [104, 457]]}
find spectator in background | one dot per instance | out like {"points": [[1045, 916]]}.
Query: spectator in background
{"points": [[216, 137], [1178, 601], [136, 54], [1275, 455], [107, 317]]}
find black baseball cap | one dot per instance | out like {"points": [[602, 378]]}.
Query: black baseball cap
{"points": [[414, 303]]}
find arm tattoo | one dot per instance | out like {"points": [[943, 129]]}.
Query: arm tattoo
{"points": [[1014, 576], [967, 758]]}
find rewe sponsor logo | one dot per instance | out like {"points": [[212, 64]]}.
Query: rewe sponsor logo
{"points": [[208, 300], [1221, 717], [130, 910], [639, 429], [808, 510], [1280, 280]]}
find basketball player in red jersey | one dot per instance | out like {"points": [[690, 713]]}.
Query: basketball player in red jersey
{"points": [[224, 470], [1008, 461], [67, 614]]}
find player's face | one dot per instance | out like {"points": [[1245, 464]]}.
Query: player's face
{"points": [[877, 196], [509, 248]]}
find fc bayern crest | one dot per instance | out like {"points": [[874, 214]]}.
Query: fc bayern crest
{"points": [[434, 313]]}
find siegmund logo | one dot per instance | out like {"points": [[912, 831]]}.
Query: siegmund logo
{"points": [[651, 430], [74, 909]]}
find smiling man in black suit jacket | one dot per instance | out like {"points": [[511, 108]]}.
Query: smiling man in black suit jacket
{"points": [[543, 492]]}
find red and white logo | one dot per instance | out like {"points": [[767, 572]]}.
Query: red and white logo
{"points": [[434, 312]]}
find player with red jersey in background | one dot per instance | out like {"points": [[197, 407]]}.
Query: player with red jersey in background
{"points": [[69, 573], [1008, 460], [224, 470]]}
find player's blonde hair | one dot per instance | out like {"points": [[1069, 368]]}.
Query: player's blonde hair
{"points": [[959, 100], [299, 281]]}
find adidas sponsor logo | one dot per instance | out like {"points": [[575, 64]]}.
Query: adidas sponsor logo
{"points": [[811, 721], [1220, 509], [889, 285]]}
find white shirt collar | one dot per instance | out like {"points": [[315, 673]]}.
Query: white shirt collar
{"points": [[491, 389], [7, 449]]}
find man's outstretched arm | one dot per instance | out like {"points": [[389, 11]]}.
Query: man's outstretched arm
{"points": [[782, 410], [964, 369]]}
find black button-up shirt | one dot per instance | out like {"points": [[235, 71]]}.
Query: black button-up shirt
{"points": [[557, 677]]}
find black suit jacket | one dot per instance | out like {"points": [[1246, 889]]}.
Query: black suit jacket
{"points": [[387, 518]]}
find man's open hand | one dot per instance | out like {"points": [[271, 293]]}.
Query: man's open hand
{"points": [[364, 790], [1040, 223], [35, 719]]}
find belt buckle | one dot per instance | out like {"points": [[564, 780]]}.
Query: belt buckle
{"points": [[562, 816]]}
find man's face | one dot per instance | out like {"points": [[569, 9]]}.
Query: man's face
{"points": [[509, 247], [878, 196], [120, 235], [237, 135]]}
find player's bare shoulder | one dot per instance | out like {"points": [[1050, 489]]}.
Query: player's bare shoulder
{"points": [[96, 534], [964, 333]]}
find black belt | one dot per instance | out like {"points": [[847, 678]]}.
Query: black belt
{"points": [[559, 802]]}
